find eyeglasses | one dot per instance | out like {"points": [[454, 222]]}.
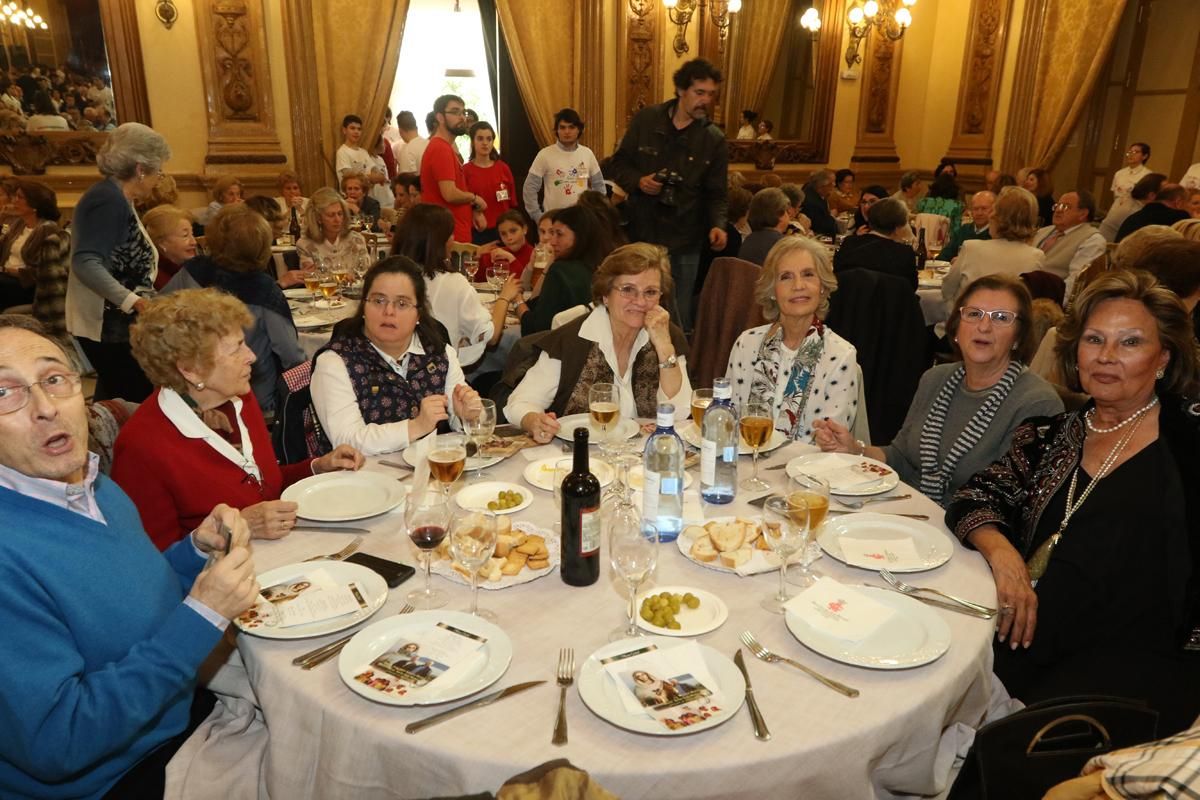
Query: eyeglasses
{"points": [[630, 292], [455, 112], [60, 385], [1062, 207], [1000, 316], [401, 304]]}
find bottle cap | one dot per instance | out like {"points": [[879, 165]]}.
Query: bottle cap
{"points": [[666, 415], [581, 434], [721, 389]]}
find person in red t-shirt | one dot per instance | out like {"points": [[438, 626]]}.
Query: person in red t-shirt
{"points": [[442, 179], [490, 178], [513, 250]]}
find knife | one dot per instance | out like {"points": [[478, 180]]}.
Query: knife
{"points": [[329, 528], [486, 700], [885, 513], [970, 612], [395, 464], [760, 725]]}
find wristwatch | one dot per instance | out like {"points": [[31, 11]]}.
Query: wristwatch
{"points": [[670, 362]]}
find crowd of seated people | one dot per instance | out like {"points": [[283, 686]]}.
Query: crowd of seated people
{"points": [[46, 98]]}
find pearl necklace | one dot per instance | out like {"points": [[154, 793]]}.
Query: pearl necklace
{"points": [[1087, 418]]}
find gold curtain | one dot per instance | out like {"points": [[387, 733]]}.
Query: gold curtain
{"points": [[761, 25], [541, 36], [358, 78], [1076, 40]]}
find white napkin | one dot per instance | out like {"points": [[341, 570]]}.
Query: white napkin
{"points": [[840, 475], [879, 553], [545, 451], [837, 610], [420, 457]]}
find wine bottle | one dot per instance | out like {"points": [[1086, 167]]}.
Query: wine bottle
{"points": [[294, 226], [922, 251], [580, 519]]}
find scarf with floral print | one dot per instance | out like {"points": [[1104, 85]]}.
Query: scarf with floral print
{"points": [[798, 376]]}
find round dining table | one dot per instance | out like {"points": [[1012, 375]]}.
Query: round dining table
{"points": [[328, 742]]}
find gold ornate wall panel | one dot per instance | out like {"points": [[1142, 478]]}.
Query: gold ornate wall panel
{"points": [[639, 72], [299, 47], [978, 94], [876, 140], [237, 83]]}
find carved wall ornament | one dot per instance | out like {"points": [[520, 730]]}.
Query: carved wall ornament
{"points": [[984, 65], [641, 43], [978, 92], [235, 69], [166, 12], [879, 87], [30, 154]]}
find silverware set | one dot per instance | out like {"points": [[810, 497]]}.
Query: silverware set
{"points": [[325, 652], [761, 732], [763, 654], [349, 549], [565, 676], [955, 603]]}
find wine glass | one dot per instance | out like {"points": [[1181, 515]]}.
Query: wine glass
{"points": [[472, 542], [785, 526], [604, 406], [447, 458], [813, 492], [701, 400], [499, 274], [426, 521], [328, 283], [562, 468], [470, 265], [756, 425], [633, 553], [312, 282], [480, 430]]}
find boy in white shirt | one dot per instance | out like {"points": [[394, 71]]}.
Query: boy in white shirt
{"points": [[351, 157], [563, 170]]}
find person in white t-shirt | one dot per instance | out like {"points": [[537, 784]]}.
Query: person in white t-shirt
{"points": [[408, 155], [1123, 182], [391, 133], [406, 131], [1191, 178], [352, 157], [563, 170]]}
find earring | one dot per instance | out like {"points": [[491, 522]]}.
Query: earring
{"points": [[1160, 374], [199, 386]]}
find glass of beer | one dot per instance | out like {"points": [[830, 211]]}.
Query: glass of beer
{"points": [[329, 286], [447, 458], [604, 406], [312, 282], [756, 425], [811, 494], [701, 400]]}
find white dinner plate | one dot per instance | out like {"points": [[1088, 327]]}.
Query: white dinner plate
{"points": [[343, 496], [540, 473], [597, 691], [708, 616], [933, 547], [637, 478], [329, 305], [298, 294], [370, 585], [914, 636], [373, 640], [473, 462], [821, 464], [306, 321], [626, 428], [691, 435], [476, 496]]}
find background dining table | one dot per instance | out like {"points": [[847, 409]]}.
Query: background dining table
{"points": [[898, 738]]}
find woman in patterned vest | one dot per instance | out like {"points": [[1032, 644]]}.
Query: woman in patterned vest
{"points": [[394, 377], [627, 340]]}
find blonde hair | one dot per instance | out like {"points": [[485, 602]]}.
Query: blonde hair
{"points": [[164, 193], [1188, 228], [321, 199], [224, 184], [764, 287], [161, 221], [355, 176], [184, 328], [1134, 246], [632, 259], [1015, 215]]}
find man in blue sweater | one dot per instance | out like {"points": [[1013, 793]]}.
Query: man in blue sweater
{"points": [[103, 635]]}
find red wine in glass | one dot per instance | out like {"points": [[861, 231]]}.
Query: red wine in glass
{"points": [[427, 537]]}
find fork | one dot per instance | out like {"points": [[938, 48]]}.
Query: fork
{"points": [[340, 554], [327, 651], [764, 654], [905, 588], [857, 504], [566, 676]]}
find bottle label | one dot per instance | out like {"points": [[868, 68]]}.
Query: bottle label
{"points": [[708, 462], [650, 489], [730, 455], [589, 532]]}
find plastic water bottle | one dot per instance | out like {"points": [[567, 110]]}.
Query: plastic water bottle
{"points": [[662, 470], [719, 446]]}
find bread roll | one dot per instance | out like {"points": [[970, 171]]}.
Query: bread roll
{"points": [[735, 558], [728, 537], [703, 550]]}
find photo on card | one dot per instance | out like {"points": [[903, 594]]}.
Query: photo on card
{"points": [[403, 661], [382, 683], [676, 702], [288, 590]]}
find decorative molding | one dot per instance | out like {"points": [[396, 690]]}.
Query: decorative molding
{"points": [[118, 18], [589, 21], [639, 74], [299, 48], [877, 104], [978, 93], [766, 154], [237, 83], [30, 154], [166, 12], [879, 86]]}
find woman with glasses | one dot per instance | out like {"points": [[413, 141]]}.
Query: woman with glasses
{"points": [[802, 368], [869, 197], [627, 340], [200, 438], [390, 377], [964, 414]]}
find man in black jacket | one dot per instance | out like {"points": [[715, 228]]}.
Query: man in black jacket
{"points": [[816, 203], [672, 165]]}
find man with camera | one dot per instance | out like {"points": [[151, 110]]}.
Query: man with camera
{"points": [[673, 164]]}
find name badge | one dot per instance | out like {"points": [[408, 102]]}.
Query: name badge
{"points": [[501, 195]]}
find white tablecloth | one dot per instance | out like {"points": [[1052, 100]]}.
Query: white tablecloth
{"points": [[326, 742]]}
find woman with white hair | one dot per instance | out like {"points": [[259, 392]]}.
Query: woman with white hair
{"points": [[327, 234], [113, 261]]}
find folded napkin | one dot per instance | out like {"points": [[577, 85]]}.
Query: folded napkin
{"points": [[844, 477], [839, 611], [879, 553], [545, 451]]}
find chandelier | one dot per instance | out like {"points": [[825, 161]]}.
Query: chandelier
{"points": [[12, 15]]}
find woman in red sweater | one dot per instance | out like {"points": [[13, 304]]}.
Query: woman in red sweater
{"points": [[490, 178], [200, 438]]}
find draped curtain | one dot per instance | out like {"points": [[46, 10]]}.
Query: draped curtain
{"points": [[542, 38], [762, 24], [1076, 41], [359, 78]]}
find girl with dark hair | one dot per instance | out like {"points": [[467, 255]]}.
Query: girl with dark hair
{"points": [[579, 245], [391, 377], [1038, 181], [490, 178], [942, 199]]}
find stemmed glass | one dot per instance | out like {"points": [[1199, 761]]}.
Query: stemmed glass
{"points": [[785, 526], [328, 283], [497, 274], [447, 458], [813, 493], [472, 542], [756, 425], [701, 400], [426, 521], [633, 553], [470, 265], [605, 407], [562, 468], [480, 430]]}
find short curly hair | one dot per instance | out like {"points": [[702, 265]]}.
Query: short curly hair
{"points": [[224, 184], [239, 239], [184, 327], [1015, 216], [632, 259], [764, 287]]}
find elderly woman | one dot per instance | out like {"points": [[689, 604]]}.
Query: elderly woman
{"points": [[291, 196], [804, 370], [579, 245], [113, 261], [170, 229], [1008, 252], [200, 437], [885, 247], [393, 377], [1090, 521], [964, 414], [843, 198], [227, 191], [627, 340], [326, 230], [354, 188]]}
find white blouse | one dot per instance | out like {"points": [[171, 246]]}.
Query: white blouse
{"points": [[456, 304], [337, 408], [537, 389]]}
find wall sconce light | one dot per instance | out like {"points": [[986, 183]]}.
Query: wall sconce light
{"points": [[681, 12], [811, 21], [891, 17], [166, 12]]}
